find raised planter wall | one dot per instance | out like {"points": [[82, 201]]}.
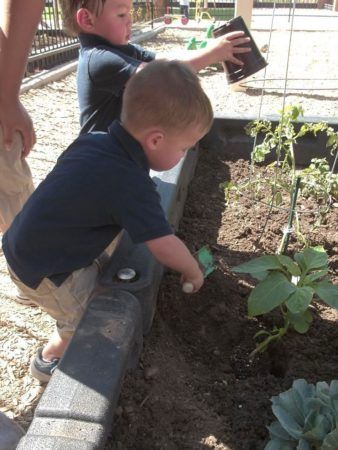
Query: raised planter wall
{"points": [[228, 132]]}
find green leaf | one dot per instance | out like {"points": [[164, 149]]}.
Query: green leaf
{"points": [[315, 258], [287, 422], [291, 266], [331, 140], [320, 430], [327, 292], [300, 300], [302, 392], [279, 444], [300, 260], [260, 264], [269, 293], [333, 389], [261, 275], [303, 445], [300, 322], [278, 198], [330, 441], [277, 431], [292, 402], [309, 279]]}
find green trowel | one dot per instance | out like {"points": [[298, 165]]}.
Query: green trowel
{"points": [[207, 264]]}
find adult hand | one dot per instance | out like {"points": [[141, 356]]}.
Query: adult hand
{"points": [[14, 117]]}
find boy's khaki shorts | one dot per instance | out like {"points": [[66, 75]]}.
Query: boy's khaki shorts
{"points": [[65, 303], [16, 183]]}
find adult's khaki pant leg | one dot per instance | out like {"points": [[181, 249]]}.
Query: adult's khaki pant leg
{"points": [[16, 183]]}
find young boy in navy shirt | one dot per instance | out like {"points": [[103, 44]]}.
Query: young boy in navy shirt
{"points": [[99, 186], [107, 59]]}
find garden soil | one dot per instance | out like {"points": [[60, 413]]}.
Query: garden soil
{"points": [[195, 386]]}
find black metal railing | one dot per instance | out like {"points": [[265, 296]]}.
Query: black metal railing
{"points": [[313, 4], [53, 46]]}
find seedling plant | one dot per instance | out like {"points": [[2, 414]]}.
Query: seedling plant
{"points": [[290, 284], [281, 140], [317, 180]]}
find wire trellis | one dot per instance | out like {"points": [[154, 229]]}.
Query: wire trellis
{"points": [[292, 209]]}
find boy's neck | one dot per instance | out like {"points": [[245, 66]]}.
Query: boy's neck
{"points": [[138, 136]]}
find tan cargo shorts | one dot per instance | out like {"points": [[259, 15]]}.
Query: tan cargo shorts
{"points": [[16, 183], [65, 303]]}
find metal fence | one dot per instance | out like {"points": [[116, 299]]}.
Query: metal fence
{"points": [[52, 46], [311, 4]]}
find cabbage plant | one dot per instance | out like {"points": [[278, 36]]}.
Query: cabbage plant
{"points": [[307, 417]]}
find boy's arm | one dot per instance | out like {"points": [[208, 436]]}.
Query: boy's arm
{"points": [[18, 23], [219, 49], [172, 252]]}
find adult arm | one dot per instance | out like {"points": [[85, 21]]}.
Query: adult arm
{"points": [[18, 23]]}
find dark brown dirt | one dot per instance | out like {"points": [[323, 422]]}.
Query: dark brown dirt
{"points": [[196, 387]]}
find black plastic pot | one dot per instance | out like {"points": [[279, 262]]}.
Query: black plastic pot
{"points": [[253, 61]]}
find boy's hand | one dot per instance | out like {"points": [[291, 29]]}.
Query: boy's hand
{"points": [[190, 285], [172, 252], [224, 47]]}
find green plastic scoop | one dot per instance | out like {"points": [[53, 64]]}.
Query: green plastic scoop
{"points": [[207, 264]]}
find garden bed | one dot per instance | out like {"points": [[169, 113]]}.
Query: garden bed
{"points": [[196, 386]]}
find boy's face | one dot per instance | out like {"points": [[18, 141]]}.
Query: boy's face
{"points": [[114, 21], [173, 147]]}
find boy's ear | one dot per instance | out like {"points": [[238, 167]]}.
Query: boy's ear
{"points": [[154, 139], [84, 20]]}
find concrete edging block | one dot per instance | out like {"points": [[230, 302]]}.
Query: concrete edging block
{"points": [[61, 434], [86, 384]]}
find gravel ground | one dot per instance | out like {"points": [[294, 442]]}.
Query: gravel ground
{"points": [[55, 115], [312, 56]]}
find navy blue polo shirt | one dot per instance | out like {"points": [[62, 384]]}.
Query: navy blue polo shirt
{"points": [[99, 185], [102, 74]]}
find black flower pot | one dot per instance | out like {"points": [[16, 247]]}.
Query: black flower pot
{"points": [[253, 61]]}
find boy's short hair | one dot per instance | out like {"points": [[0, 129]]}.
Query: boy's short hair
{"points": [[69, 9], [167, 94]]}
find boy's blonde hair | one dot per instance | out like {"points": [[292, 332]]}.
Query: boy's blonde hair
{"points": [[166, 94], [69, 9]]}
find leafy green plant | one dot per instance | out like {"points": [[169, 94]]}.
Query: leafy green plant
{"points": [[281, 139], [318, 181], [290, 284], [307, 417]]}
